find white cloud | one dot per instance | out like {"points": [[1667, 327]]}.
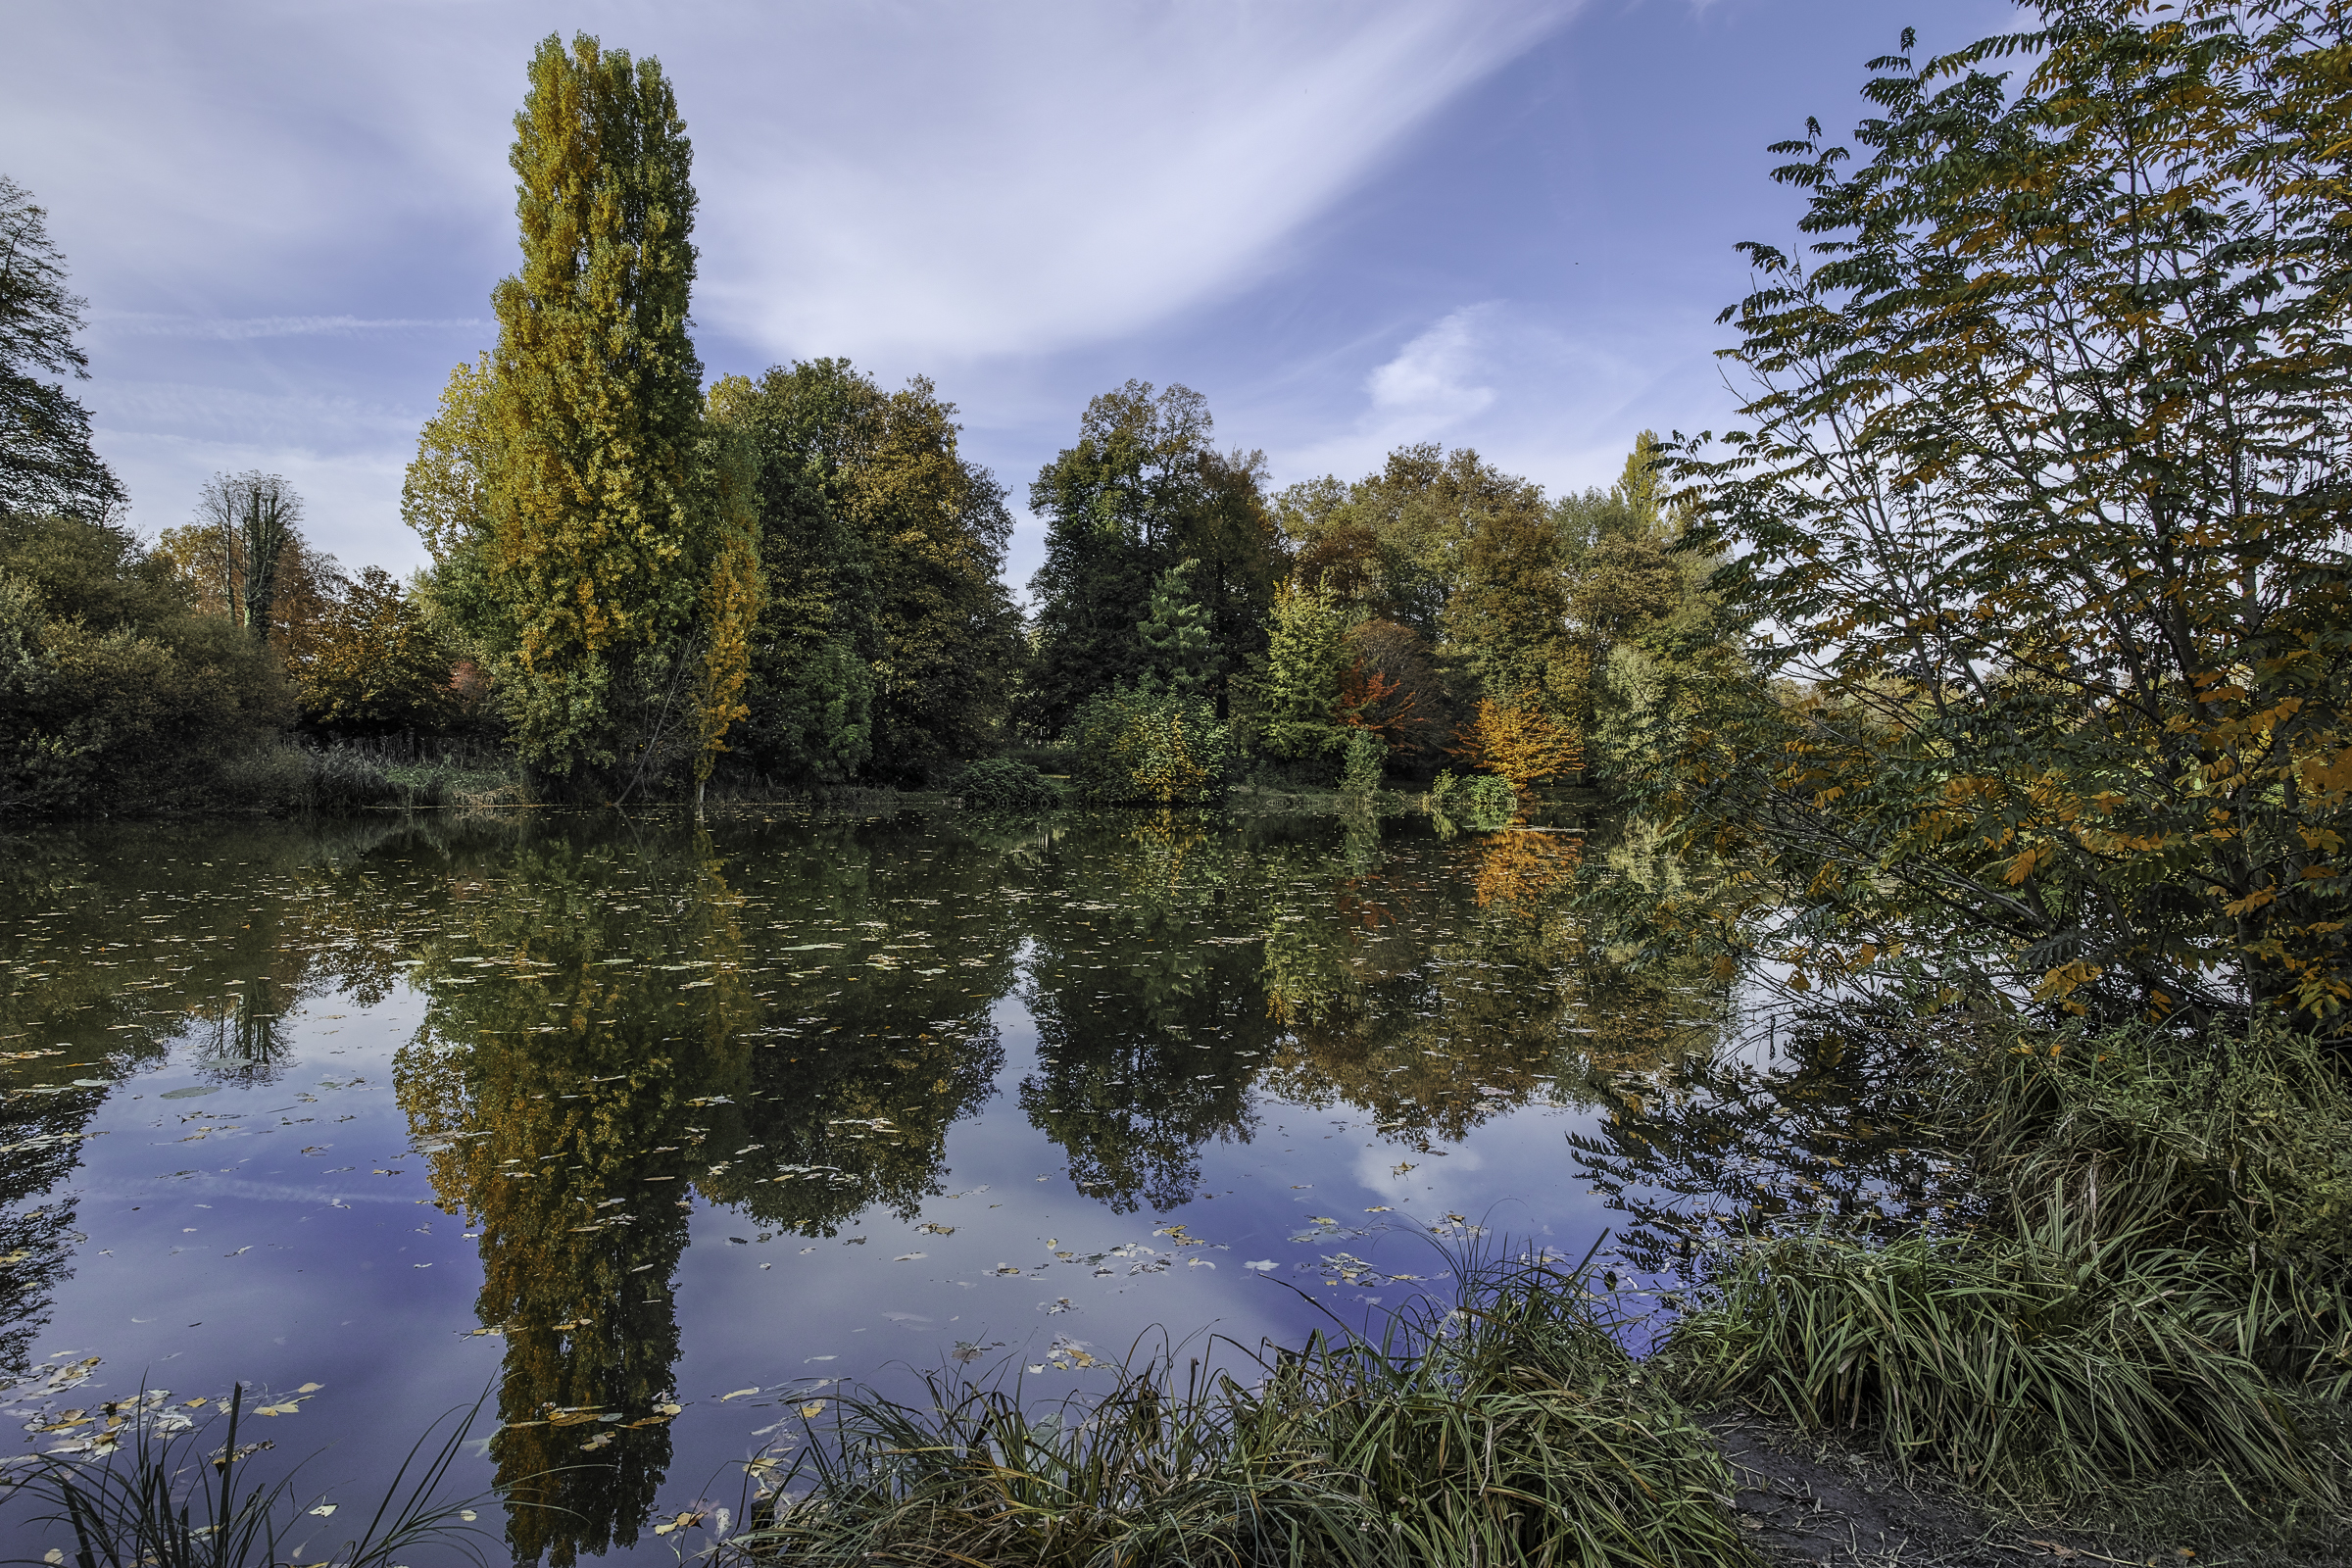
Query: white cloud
{"points": [[1027, 178], [1428, 381], [300, 421], [1561, 408]]}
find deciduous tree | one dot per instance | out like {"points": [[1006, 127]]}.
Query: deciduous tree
{"points": [[1142, 490], [598, 493], [2042, 492], [46, 462], [378, 665]]}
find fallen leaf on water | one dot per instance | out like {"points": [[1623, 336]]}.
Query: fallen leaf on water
{"points": [[324, 1510], [310, 1387], [737, 1395], [814, 1408]]}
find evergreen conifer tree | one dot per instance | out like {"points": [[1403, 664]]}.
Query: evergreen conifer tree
{"points": [[1175, 635], [1307, 656]]}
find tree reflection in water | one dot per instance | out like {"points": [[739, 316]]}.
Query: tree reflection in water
{"points": [[623, 1018], [1142, 988], [597, 1050], [1833, 1122]]}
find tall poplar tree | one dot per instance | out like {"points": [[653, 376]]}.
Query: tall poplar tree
{"points": [[598, 492]]}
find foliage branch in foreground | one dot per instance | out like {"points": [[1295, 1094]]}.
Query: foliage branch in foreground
{"points": [[2042, 504]]}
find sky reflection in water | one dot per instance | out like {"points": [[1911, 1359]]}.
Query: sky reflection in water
{"points": [[653, 1130]]}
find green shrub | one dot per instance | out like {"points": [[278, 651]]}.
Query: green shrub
{"points": [[114, 695], [1000, 784], [1148, 747], [1480, 802], [1363, 763]]}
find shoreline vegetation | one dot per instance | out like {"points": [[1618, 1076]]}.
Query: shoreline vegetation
{"points": [[1980, 704], [2156, 1374]]}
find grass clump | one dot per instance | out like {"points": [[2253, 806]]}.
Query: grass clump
{"points": [[1510, 1429], [163, 1501], [2159, 1287]]}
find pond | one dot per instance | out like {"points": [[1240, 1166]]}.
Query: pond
{"points": [[653, 1133]]}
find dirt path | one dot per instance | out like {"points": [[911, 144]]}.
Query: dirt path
{"points": [[1810, 1502]]}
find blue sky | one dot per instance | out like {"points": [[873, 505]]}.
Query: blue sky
{"points": [[1348, 224]]}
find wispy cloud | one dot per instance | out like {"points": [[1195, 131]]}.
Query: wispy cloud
{"points": [[1560, 407], [1050, 175], [228, 329]]}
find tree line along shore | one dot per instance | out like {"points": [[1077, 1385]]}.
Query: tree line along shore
{"points": [[1982, 696]]}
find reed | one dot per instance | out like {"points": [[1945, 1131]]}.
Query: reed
{"points": [[1507, 1428], [2160, 1284]]}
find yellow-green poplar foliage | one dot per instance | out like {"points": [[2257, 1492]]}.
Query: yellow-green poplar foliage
{"points": [[594, 418], [733, 593], [441, 496]]}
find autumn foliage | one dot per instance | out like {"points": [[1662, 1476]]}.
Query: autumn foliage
{"points": [[1518, 741]]}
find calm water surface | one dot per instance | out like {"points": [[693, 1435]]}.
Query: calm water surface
{"points": [[652, 1131]]}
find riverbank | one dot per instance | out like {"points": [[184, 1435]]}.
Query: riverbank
{"points": [[2138, 1351]]}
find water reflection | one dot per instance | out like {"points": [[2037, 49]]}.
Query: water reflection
{"points": [[1829, 1123], [1141, 986], [625, 1020]]}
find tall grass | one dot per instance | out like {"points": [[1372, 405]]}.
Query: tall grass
{"points": [[1508, 1429], [164, 1502], [2161, 1284]]}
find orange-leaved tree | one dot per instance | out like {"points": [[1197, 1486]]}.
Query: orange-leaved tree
{"points": [[1519, 741]]}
